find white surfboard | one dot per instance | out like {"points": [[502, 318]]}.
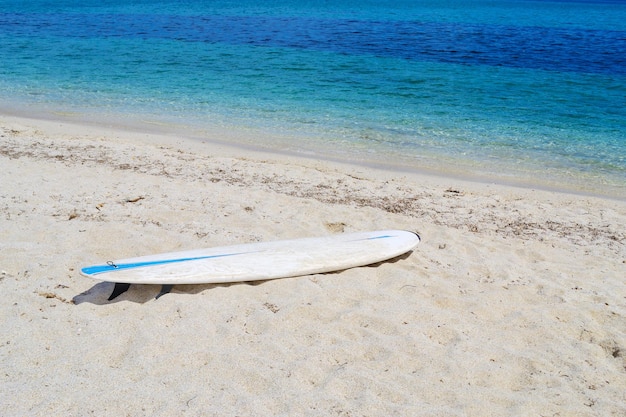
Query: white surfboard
{"points": [[257, 261]]}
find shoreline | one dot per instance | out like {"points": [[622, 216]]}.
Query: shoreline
{"points": [[163, 146], [512, 303], [243, 139]]}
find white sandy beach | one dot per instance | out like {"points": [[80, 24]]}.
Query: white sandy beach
{"points": [[513, 304]]}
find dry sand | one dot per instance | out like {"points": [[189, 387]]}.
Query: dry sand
{"points": [[514, 303]]}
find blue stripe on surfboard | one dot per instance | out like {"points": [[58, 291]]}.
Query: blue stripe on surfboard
{"points": [[110, 267], [385, 237], [373, 238]]}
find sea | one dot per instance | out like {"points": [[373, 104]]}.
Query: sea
{"points": [[528, 92]]}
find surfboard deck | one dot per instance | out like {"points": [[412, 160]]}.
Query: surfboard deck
{"points": [[256, 261]]}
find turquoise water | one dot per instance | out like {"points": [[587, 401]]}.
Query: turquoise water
{"points": [[523, 90]]}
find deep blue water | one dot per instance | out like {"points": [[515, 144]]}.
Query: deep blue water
{"points": [[507, 88]]}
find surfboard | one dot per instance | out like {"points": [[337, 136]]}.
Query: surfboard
{"points": [[256, 261]]}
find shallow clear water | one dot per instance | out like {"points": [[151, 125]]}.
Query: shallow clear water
{"points": [[529, 90]]}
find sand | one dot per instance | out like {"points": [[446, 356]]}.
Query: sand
{"points": [[514, 303]]}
